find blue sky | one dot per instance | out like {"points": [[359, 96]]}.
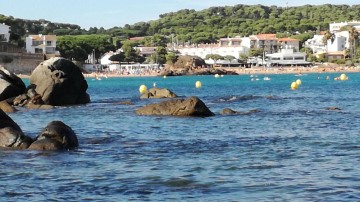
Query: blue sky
{"points": [[110, 13]]}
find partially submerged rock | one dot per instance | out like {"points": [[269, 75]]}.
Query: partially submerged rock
{"points": [[6, 107], [333, 108], [11, 135], [10, 84], [55, 136], [191, 106], [31, 99], [158, 93], [228, 111]]}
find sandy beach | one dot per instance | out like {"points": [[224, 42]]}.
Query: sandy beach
{"points": [[241, 71]]}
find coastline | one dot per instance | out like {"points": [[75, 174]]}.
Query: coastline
{"points": [[240, 71]]}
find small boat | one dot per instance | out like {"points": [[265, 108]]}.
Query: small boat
{"points": [[266, 78]]}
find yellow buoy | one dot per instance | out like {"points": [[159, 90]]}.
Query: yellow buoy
{"points": [[216, 75], [142, 89], [294, 85], [298, 82], [198, 84], [164, 76], [343, 77]]}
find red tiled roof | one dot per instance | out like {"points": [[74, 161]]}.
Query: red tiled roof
{"points": [[266, 36], [287, 39]]}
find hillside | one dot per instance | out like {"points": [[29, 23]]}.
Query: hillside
{"points": [[207, 25]]}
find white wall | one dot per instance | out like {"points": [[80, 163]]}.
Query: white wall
{"points": [[4, 30], [223, 51], [340, 43]]}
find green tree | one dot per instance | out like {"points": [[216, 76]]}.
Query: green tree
{"points": [[328, 36], [214, 57], [171, 58], [244, 57], [79, 47], [159, 56], [254, 52], [353, 36], [129, 51], [120, 57]]}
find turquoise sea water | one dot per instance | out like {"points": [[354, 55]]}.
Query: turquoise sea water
{"points": [[293, 149]]}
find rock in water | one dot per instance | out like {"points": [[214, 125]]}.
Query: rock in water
{"points": [[192, 106], [55, 136], [11, 134], [60, 82], [10, 85], [158, 93]]}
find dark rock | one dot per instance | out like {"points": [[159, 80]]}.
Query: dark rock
{"points": [[158, 93], [126, 102], [55, 136], [192, 106], [333, 108], [60, 82], [6, 107], [46, 144], [11, 135], [10, 85], [228, 111]]}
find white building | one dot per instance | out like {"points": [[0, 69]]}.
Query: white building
{"points": [[287, 57], [44, 44], [4, 32], [336, 26], [289, 42], [316, 44], [340, 43], [145, 51], [225, 47], [267, 42]]}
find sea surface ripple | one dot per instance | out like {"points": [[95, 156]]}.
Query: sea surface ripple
{"points": [[291, 149]]}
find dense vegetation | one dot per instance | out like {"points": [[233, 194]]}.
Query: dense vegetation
{"points": [[210, 24], [205, 26]]}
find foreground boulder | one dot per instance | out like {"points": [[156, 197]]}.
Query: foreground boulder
{"points": [[158, 93], [60, 82], [10, 85], [6, 107], [30, 99], [55, 136], [11, 136], [192, 106]]}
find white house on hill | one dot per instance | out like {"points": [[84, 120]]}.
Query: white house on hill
{"points": [[316, 44], [225, 47], [336, 26], [340, 43], [4, 33], [44, 44]]}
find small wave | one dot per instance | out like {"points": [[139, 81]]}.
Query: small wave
{"points": [[234, 98]]}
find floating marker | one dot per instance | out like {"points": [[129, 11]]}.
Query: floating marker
{"points": [[198, 84], [343, 77], [294, 85], [298, 82], [142, 89], [164, 76], [216, 75]]}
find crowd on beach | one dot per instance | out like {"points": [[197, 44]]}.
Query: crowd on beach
{"points": [[241, 71]]}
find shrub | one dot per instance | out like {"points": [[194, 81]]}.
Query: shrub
{"points": [[7, 59]]}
